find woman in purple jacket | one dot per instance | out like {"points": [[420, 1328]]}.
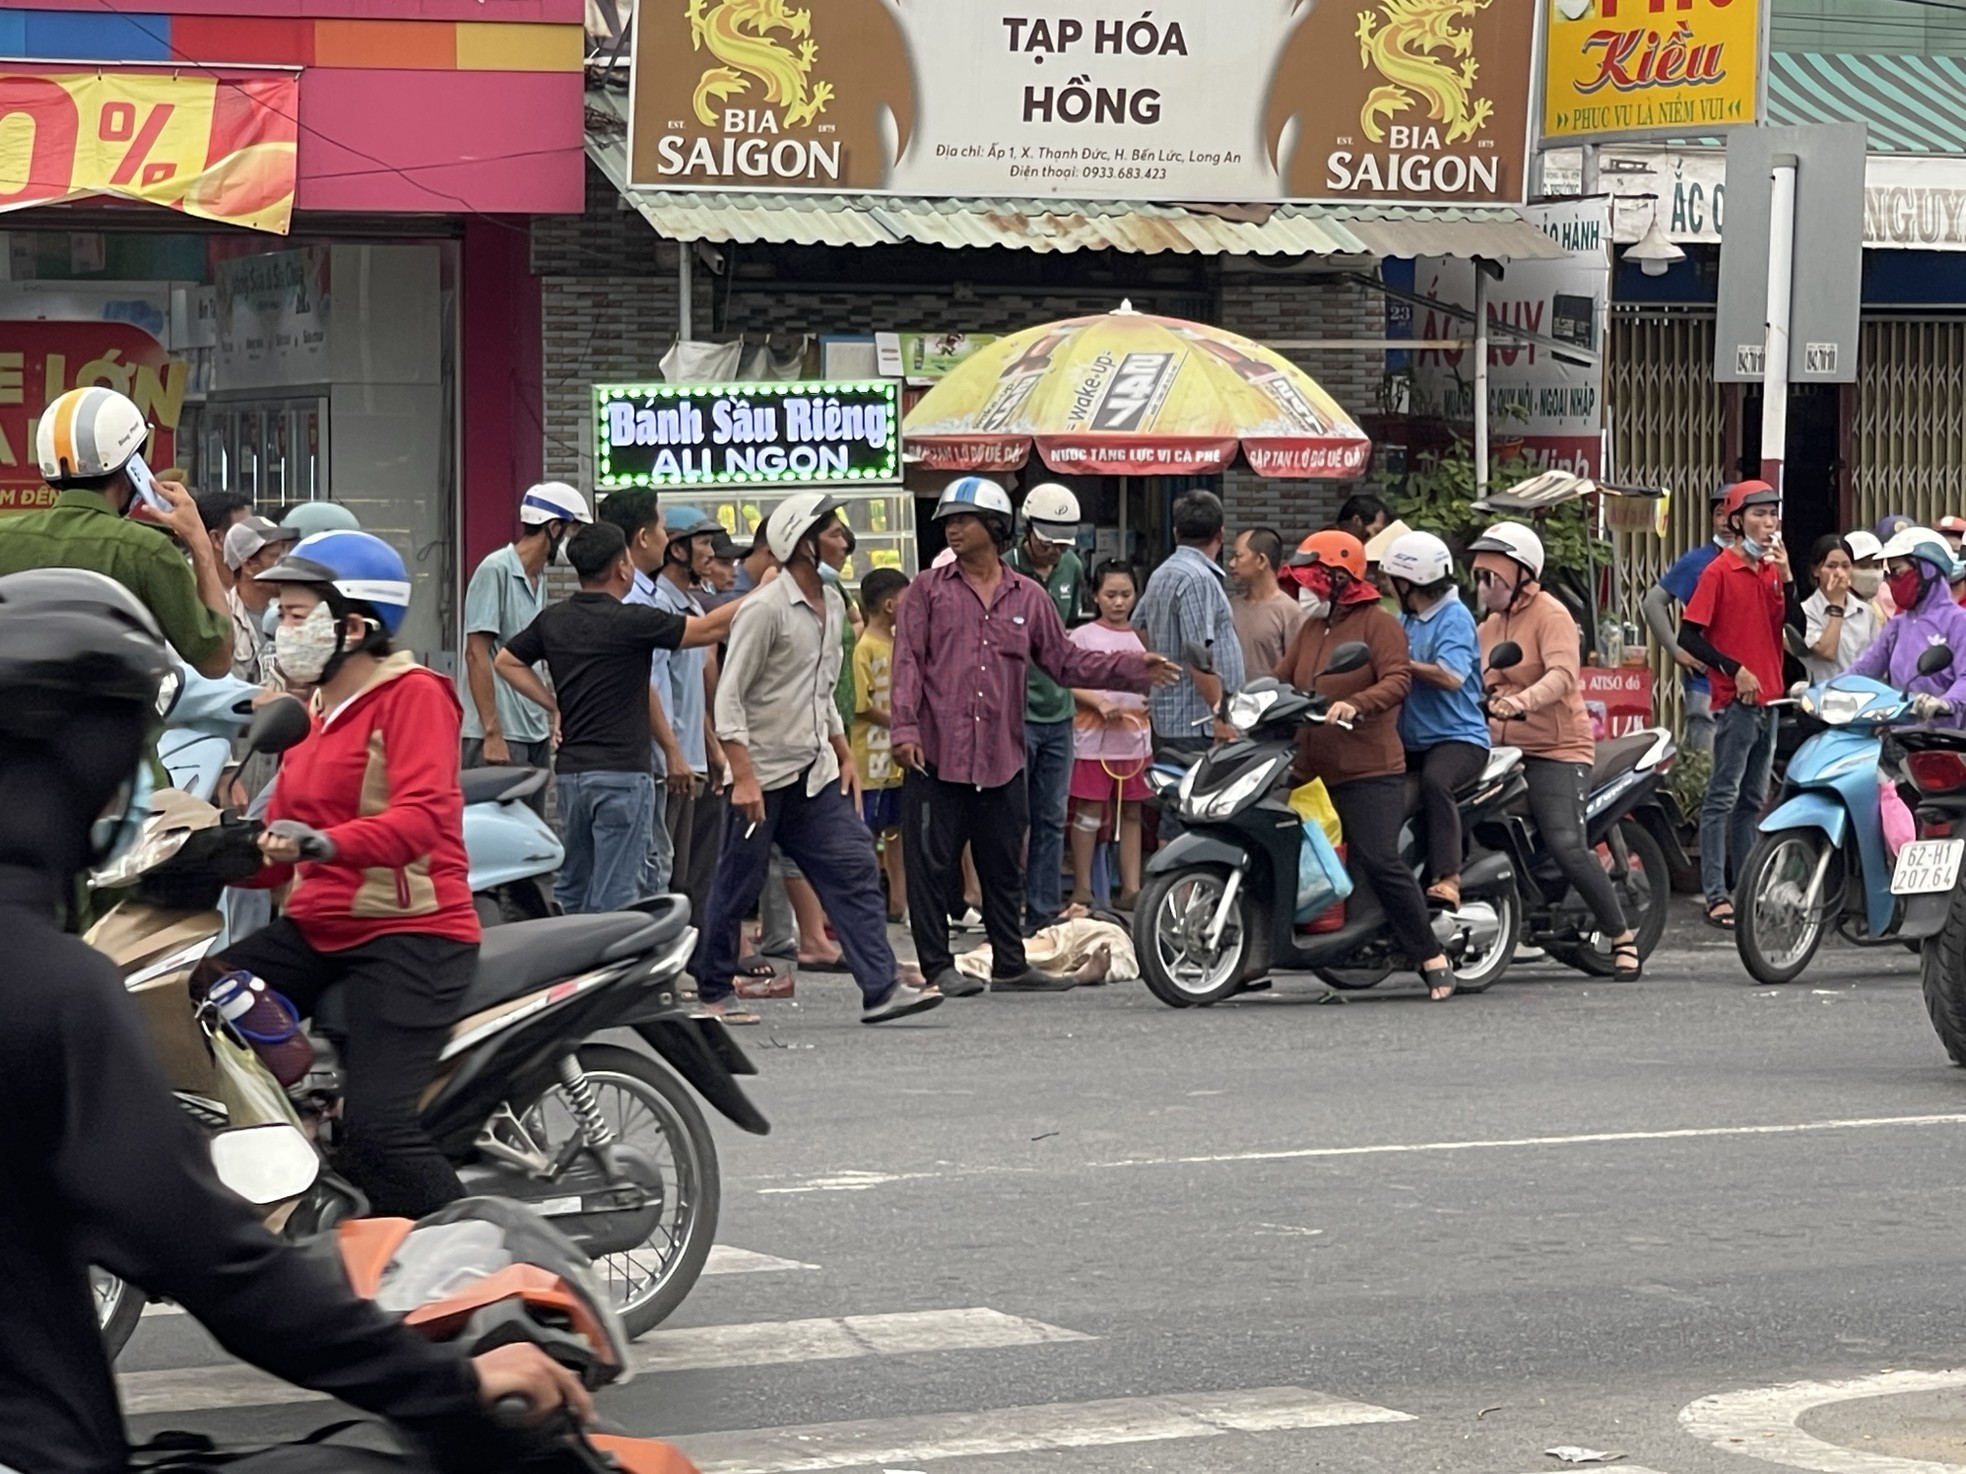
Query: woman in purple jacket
{"points": [[1918, 567]]}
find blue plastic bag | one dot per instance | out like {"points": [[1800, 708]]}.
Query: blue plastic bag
{"points": [[1322, 880]]}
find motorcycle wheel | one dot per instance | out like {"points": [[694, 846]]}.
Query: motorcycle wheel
{"points": [[1775, 936], [1645, 894], [1486, 968], [119, 1306], [1169, 922], [651, 1110], [1942, 976]]}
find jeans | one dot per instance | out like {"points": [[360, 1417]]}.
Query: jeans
{"points": [[1699, 720], [659, 863], [606, 820], [1372, 811], [1048, 753], [937, 820], [400, 996], [1443, 768], [1558, 795], [825, 836], [1743, 765]]}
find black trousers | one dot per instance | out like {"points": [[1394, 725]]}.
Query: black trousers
{"points": [[1558, 792], [1443, 768], [1372, 811], [696, 829], [937, 820], [400, 998]]}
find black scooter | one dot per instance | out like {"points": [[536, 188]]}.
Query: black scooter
{"points": [[1218, 910]]}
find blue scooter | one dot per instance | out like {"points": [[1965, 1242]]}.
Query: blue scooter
{"points": [[1821, 860]]}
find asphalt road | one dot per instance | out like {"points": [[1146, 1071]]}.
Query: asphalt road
{"points": [[1089, 1233]]}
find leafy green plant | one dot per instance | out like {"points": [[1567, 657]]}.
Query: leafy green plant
{"points": [[1688, 780]]}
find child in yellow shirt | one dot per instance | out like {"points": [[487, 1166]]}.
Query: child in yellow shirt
{"points": [[873, 686]]}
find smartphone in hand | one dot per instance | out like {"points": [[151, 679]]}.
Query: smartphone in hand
{"points": [[145, 485]]}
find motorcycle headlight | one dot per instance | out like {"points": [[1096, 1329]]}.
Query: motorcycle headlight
{"points": [[168, 691], [1840, 707], [1224, 802], [1246, 708]]}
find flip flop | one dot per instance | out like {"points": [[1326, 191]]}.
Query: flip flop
{"points": [[837, 965], [756, 966], [1714, 918], [727, 1013]]}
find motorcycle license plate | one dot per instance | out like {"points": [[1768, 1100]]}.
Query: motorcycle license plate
{"points": [[1926, 866]]}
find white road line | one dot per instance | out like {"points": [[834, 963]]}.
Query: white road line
{"points": [[918, 1440], [861, 1181], [755, 1344], [726, 1260], [1761, 1422]]}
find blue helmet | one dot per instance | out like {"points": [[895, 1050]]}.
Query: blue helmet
{"points": [[359, 566]]}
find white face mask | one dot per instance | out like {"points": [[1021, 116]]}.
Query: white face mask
{"points": [[302, 651], [1864, 582], [1311, 604]]}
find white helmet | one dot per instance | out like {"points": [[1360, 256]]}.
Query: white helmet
{"points": [[1418, 557], [1052, 512], [1515, 541], [977, 495], [793, 519], [88, 433], [1863, 546], [552, 501]]}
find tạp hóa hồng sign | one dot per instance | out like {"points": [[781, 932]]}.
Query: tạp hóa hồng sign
{"points": [[667, 435]]}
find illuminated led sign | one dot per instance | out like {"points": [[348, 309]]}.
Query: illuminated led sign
{"points": [[735, 435]]}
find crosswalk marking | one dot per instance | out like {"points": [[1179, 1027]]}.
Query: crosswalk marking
{"points": [[727, 1260], [917, 1440], [723, 1259], [758, 1343]]}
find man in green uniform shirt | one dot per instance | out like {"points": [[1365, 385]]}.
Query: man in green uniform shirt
{"points": [[1044, 553], [85, 443]]}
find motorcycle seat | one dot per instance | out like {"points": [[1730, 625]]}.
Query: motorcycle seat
{"points": [[500, 785], [1619, 755], [525, 956]]}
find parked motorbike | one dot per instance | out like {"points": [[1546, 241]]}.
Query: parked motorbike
{"points": [[1926, 877], [1821, 860], [1624, 817], [517, 1103], [1218, 910]]}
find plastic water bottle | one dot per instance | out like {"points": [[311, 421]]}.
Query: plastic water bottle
{"points": [[267, 1022]]}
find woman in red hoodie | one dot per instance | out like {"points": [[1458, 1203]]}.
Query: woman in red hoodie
{"points": [[367, 821]]}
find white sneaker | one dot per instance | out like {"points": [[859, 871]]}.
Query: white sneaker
{"points": [[901, 1000]]}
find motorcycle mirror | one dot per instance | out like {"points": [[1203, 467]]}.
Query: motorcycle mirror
{"points": [[1935, 659], [1197, 656], [1505, 656], [277, 726], [265, 1164], [1348, 657]]}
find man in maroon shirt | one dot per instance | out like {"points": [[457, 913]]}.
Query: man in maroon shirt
{"points": [[1733, 623], [965, 637]]}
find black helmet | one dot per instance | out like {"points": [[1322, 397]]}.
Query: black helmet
{"points": [[71, 639]]}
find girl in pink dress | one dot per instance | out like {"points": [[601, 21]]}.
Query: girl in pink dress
{"points": [[1114, 743]]}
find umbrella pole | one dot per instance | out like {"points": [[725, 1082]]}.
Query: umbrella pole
{"points": [[1123, 548], [1481, 380]]}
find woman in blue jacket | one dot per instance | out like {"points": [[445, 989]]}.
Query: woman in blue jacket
{"points": [[1441, 724]]}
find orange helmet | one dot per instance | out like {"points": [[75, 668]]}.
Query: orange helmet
{"points": [[1331, 549]]}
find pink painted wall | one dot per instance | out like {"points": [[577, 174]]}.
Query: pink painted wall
{"points": [[499, 382], [441, 142]]}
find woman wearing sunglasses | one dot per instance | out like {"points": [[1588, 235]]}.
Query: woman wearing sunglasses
{"points": [[1537, 706]]}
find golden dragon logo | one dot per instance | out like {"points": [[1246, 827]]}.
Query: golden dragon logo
{"points": [[1401, 40], [739, 34]]}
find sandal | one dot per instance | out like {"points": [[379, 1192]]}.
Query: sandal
{"points": [[1626, 963], [775, 986], [1439, 992], [837, 965], [756, 967], [1722, 919], [726, 1012], [1445, 893]]}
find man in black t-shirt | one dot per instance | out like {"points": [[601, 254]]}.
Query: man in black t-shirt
{"points": [[598, 650]]}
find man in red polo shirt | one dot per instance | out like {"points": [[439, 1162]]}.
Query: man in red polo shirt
{"points": [[1733, 623]]}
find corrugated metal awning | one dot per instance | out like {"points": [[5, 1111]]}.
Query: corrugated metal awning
{"points": [[1363, 232]]}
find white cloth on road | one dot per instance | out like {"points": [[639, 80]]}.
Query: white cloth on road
{"points": [[1064, 947]]}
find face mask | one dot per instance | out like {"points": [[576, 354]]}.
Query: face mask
{"points": [[553, 543], [302, 651], [1864, 582], [1314, 605], [121, 824], [1906, 588], [1753, 551], [1496, 596]]}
